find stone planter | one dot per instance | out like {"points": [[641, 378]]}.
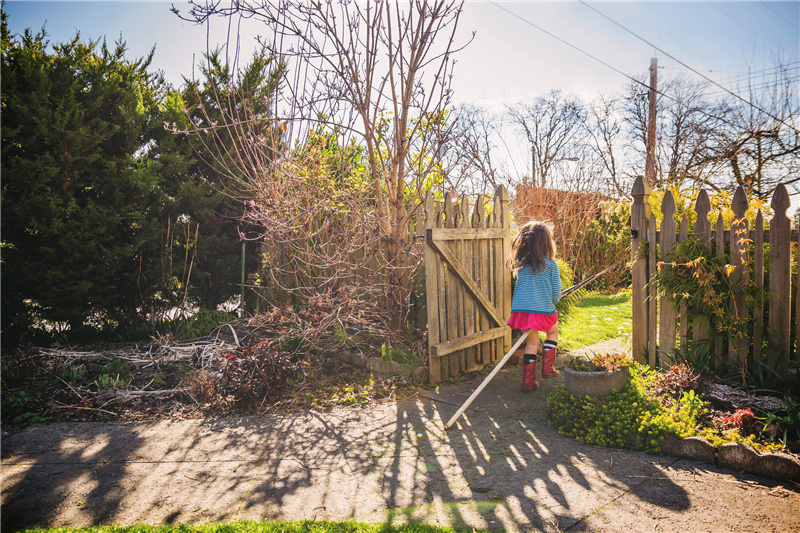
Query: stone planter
{"points": [[595, 384]]}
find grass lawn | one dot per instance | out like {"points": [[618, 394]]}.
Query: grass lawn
{"points": [[257, 527], [596, 318]]}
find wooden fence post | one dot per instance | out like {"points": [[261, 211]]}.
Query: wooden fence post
{"points": [[640, 216], [666, 329], [780, 278]]}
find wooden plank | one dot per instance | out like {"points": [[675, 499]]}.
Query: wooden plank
{"points": [[652, 310], [505, 223], [451, 346], [640, 216], [467, 308], [449, 369], [432, 292], [727, 237], [702, 230], [462, 234], [780, 279], [758, 279], [739, 276], [797, 304], [666, 329], [720, 358], [684, 318], [496, 277], [482, 272], [456, 268]]}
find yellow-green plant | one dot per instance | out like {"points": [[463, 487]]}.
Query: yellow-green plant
{"points": [[626, 418], [693, 276]]}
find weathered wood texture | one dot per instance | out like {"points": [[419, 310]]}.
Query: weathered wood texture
{"points": [[468, 282], [666, 328], [743, 249], [640, 217]]}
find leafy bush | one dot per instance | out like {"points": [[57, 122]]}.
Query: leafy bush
{"points": [[204, 322], [672, 384], [626, 418], [250, 376]]}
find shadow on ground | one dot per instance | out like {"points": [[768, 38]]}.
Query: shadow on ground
{"points": [[499, 468]]}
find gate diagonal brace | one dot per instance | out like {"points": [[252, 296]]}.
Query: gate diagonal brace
{"points": [[460, 272]]}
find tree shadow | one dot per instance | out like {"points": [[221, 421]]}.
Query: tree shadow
{"points": [[500, 467]]}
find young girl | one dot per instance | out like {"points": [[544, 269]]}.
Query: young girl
{"points": [[533, 306]]}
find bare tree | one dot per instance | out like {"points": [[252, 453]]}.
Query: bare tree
{"points": [[604, 130], [688, 122], [761, 142], [709, 136], [470, 159], [552, 125], [378, 71]]}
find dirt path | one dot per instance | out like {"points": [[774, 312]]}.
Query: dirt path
{"points": [[501, 467]]}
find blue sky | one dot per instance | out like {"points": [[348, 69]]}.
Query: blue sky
{"points": [[521, 49], [510, 58]]}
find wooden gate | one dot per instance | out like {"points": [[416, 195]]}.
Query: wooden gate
{"points": [[468, 283]]}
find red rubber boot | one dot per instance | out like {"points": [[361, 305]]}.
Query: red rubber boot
{"points": [[529, 382], [548, 360]]}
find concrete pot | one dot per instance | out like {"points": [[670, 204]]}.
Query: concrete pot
{"points": [[595, 384]]}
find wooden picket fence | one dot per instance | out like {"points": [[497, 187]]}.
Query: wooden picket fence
{"points": [[468, 282], [659, 328]]}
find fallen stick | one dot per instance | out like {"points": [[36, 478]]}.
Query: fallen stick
{"points": [[488, 379], [513, 349]]}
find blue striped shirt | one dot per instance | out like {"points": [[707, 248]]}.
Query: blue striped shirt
{"points": [[537, 292]]}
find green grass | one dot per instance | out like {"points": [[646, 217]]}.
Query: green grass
{"points": [[596, 318], [258, 527]]}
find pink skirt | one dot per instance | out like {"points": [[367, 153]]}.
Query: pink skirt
{"points": [[534, 321]]}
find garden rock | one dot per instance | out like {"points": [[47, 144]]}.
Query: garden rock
{"points": [[695, 448], [391, 368], [421, 375], [743, 458], [741, 400], [356, 359]]}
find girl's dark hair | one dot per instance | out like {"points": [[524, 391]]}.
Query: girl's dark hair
{"points": [[533, 243]]}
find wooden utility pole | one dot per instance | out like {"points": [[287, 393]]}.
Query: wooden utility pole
{"points": [[650, 153]]}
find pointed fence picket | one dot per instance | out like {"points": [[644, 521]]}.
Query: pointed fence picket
{"points": [[468, 282], [659, 329]]}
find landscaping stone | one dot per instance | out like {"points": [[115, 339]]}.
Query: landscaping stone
{"points": [[743, 458], [391, 368], [353, 358], [421, 375], [695, 448]]}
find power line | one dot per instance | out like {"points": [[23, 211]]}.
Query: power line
{"points": [[687, 66], [556, 37], [787, 21], [643, 84]]}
